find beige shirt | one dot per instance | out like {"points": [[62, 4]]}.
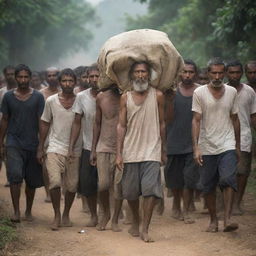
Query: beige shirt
{"points": [[247, 106], [216, 131], [142, 140], [85, 104], [61, 120]]}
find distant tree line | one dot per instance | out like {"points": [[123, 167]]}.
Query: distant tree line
{"points": [[39, 32], [201, 29]]}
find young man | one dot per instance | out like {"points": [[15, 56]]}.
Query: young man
{"points": [[103, 152], [85, 110], [11, 84], [140, 146], [216, 141], [51, 89], [202, 77], [22, 109], [58, 114], [181, 172], [247, 116], [52, 82], [250, 72], [83, 79], [36, 82]]}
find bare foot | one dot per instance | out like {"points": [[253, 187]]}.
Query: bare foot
{"points": [[92, 223], [55, 224], [237, 211], [146, 238], [28, 217], [65, 222], [115, 227], [229, 227], [213, 227], [103, 223], [176, 214], [134, 230], [192, 207], [15, 218], [188, 219]]}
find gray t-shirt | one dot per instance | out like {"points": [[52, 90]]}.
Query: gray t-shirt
{"points": [[23, 119], [179, 139]]}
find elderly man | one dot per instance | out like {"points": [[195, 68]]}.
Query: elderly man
{"points": [[140, 146]]}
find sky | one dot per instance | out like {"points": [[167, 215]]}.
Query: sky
{"points": [[94, 2]]}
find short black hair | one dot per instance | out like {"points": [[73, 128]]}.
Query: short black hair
{"points": [[215, 61], [148, 67], [8, 67], [22, 67], [234, 63], [93, 67], [191, 62], [67, 72], [251, 62]]}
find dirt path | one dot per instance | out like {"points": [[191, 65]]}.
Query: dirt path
{"points": [[172, 237]]}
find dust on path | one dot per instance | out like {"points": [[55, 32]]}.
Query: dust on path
{"points": [[173, 238]]}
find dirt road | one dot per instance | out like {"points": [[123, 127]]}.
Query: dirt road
{"points": [[172, 238]]}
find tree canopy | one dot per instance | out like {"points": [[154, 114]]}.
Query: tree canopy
{"points": [[39, 32], [201, 30]]}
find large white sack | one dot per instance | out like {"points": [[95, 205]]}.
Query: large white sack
{"points": [[121, 51]]}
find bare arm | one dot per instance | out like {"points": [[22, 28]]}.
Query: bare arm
{"points": [[253, 121], [96, 131], [121, 131], [75, 130], [43, 131], [195, 136], [161, 104], [236, 125], [3, 129]]}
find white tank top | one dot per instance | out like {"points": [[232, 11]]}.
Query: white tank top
{"points": [[142, 140]]}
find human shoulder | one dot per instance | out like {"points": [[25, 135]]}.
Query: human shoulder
{"points": [[230, 89], [201, 89], [249, 89], [52, 98]]}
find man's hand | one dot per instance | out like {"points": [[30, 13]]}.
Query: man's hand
{"points": [[70, 155], [93, 158], [40, 155], [119, 162], [198, 157]]}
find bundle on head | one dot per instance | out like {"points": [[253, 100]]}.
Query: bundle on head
{"points": [[119, 53]]}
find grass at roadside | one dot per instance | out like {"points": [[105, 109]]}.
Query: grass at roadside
{"points": [[7, 232]]}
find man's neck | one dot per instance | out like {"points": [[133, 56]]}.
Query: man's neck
{"points": [[94, 92], [237, 87], [53, 88], [10, 86], [66, 95], [24, 90], [187, 86]]}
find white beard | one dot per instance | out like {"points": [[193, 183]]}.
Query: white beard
{"points": [[216, 85], [140, 87]]}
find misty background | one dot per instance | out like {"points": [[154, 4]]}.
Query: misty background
{"points": [[110, 20], [70, 33]]}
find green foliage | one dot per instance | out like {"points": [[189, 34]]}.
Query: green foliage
{"points": [[201, 29], [7, 232], [39, 32]]}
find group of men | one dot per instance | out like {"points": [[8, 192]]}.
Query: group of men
{"points": [[96, 142]]}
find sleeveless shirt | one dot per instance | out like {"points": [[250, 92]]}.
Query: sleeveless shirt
{"points": [[179, 138], [142, 140]]}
